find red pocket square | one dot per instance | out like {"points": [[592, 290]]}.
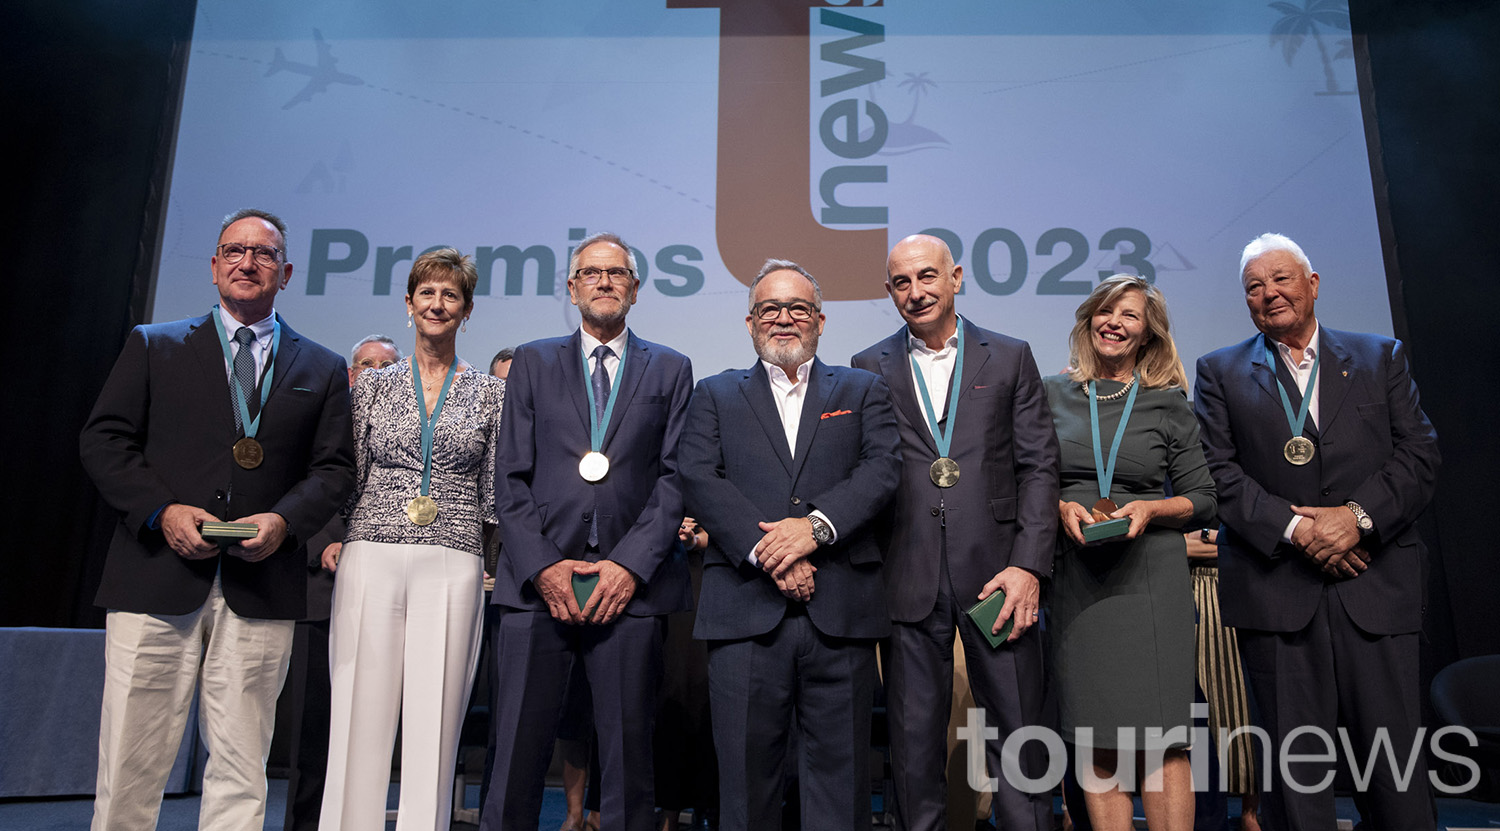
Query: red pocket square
{"points": [[836, 413]]}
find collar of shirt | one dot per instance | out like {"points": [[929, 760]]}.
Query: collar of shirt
{"points": [[937, 368], [1300, 366], [789, 395], [615, 344], [260, 347]]}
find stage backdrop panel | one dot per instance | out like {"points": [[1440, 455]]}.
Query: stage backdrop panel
{"points": [[1051, 143]]}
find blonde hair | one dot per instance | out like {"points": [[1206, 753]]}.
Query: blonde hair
{"points": [[1156, 360]]}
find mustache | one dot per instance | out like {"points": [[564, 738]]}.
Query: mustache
{"points": [[915, 306], [783, 329]]}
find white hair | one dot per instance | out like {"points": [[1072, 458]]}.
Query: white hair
{"points": [[1266, 243]]}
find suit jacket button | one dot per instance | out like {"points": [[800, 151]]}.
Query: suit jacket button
{"points": [[587, 517], [796, 500], [1327, 491], [934, 511]]}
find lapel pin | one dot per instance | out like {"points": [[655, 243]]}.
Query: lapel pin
{"points": [[1346, 373]]}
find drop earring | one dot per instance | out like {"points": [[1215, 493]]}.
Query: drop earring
{"points": [[464, 327], [408, 320]]}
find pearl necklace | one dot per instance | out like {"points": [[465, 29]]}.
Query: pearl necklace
{"points": [[1120, 393]]}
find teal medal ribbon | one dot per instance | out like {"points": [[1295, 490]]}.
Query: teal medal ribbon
{"points": [[422, 509], [1299, 449], [1107, 473], [944, 471], [248, 453], [595, 465]]}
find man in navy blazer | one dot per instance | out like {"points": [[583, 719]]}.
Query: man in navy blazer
{"points": [[1320, 565], [787, 464], [562, 518], [185, 613], [947, 548]]}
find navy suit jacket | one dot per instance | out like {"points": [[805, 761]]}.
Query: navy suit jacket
{"points": [[545, 506], [740, 472], [1375, 446], [161, 432], [1003, 511]]}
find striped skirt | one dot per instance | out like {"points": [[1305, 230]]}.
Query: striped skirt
{"points": [[1222, 681]]}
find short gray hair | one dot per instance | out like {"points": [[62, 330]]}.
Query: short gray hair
{"points": [[368, 339], [594, 239], [774, 264], [256, 213], [1266, 243]]}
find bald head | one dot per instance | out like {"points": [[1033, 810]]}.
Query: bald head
{"points": [[922, 279]]}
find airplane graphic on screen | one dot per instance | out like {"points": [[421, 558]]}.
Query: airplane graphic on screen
{"points": [[320, 76]]}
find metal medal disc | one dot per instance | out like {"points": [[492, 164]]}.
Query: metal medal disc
{"points": [[422, 510], [593, 466], [248, 453], [1103, 508], [944, 472], [1299, 450]]}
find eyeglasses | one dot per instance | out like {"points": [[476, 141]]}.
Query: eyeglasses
{"points": [[233, 252], [590, 276], [373, 364], [769, 310]]}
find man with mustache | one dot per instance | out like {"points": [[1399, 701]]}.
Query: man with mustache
{"points": [[1323, 460], [788, 463], [589, 501], [976, 513]]}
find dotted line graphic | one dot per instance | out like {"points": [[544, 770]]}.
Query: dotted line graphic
{"points": [[542, 137]]}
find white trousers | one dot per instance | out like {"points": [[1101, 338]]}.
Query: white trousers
{"points": [[152, 663], [404, 638]]}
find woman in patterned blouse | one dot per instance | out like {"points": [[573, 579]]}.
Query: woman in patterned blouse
{"points": [[408, 599]]}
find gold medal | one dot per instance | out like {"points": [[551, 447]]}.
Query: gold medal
{"points": [[248, 453], [1299, 450], [422, 510], [593, 466], [944, 472]]}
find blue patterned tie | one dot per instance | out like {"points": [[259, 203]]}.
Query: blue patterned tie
{"points": [[600, 380], [244, 373]]}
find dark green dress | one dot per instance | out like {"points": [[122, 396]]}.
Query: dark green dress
{"points": [[1122, 613]]}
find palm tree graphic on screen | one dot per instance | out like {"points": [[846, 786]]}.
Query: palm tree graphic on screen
{"points": [[908, 136], [1297, 23]]}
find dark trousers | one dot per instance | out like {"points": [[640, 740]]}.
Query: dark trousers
{"points": [[759, 688], [622, 662], [308, 681], [1007, 684], [1332, 675]]}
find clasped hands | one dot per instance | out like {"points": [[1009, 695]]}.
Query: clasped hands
{"points": [[615, 588], [181, 525], [1330, 537], [782, 554]]}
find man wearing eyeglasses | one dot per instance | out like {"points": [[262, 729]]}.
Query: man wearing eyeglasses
{"points": [[787, 464], [976, 513], [589, 501], [227, 416]]}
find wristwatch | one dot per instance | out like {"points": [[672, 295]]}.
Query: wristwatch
{"points": [[822, 531], [1361, 519]]}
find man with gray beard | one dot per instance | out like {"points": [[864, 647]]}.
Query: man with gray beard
{"points": [[787, 464]]}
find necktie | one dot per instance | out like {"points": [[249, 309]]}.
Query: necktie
{"points": [[244, 374], [600, 380]]}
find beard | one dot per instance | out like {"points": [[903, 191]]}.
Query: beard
{"points": [[603, 319], [790, 354]]}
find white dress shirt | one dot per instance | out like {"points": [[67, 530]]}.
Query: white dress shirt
{"points": [[937, 370], [789, 394], [1301, 368], [611, 363]]}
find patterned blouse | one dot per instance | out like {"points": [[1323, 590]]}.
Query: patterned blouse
{"points": [[388, 453]]}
